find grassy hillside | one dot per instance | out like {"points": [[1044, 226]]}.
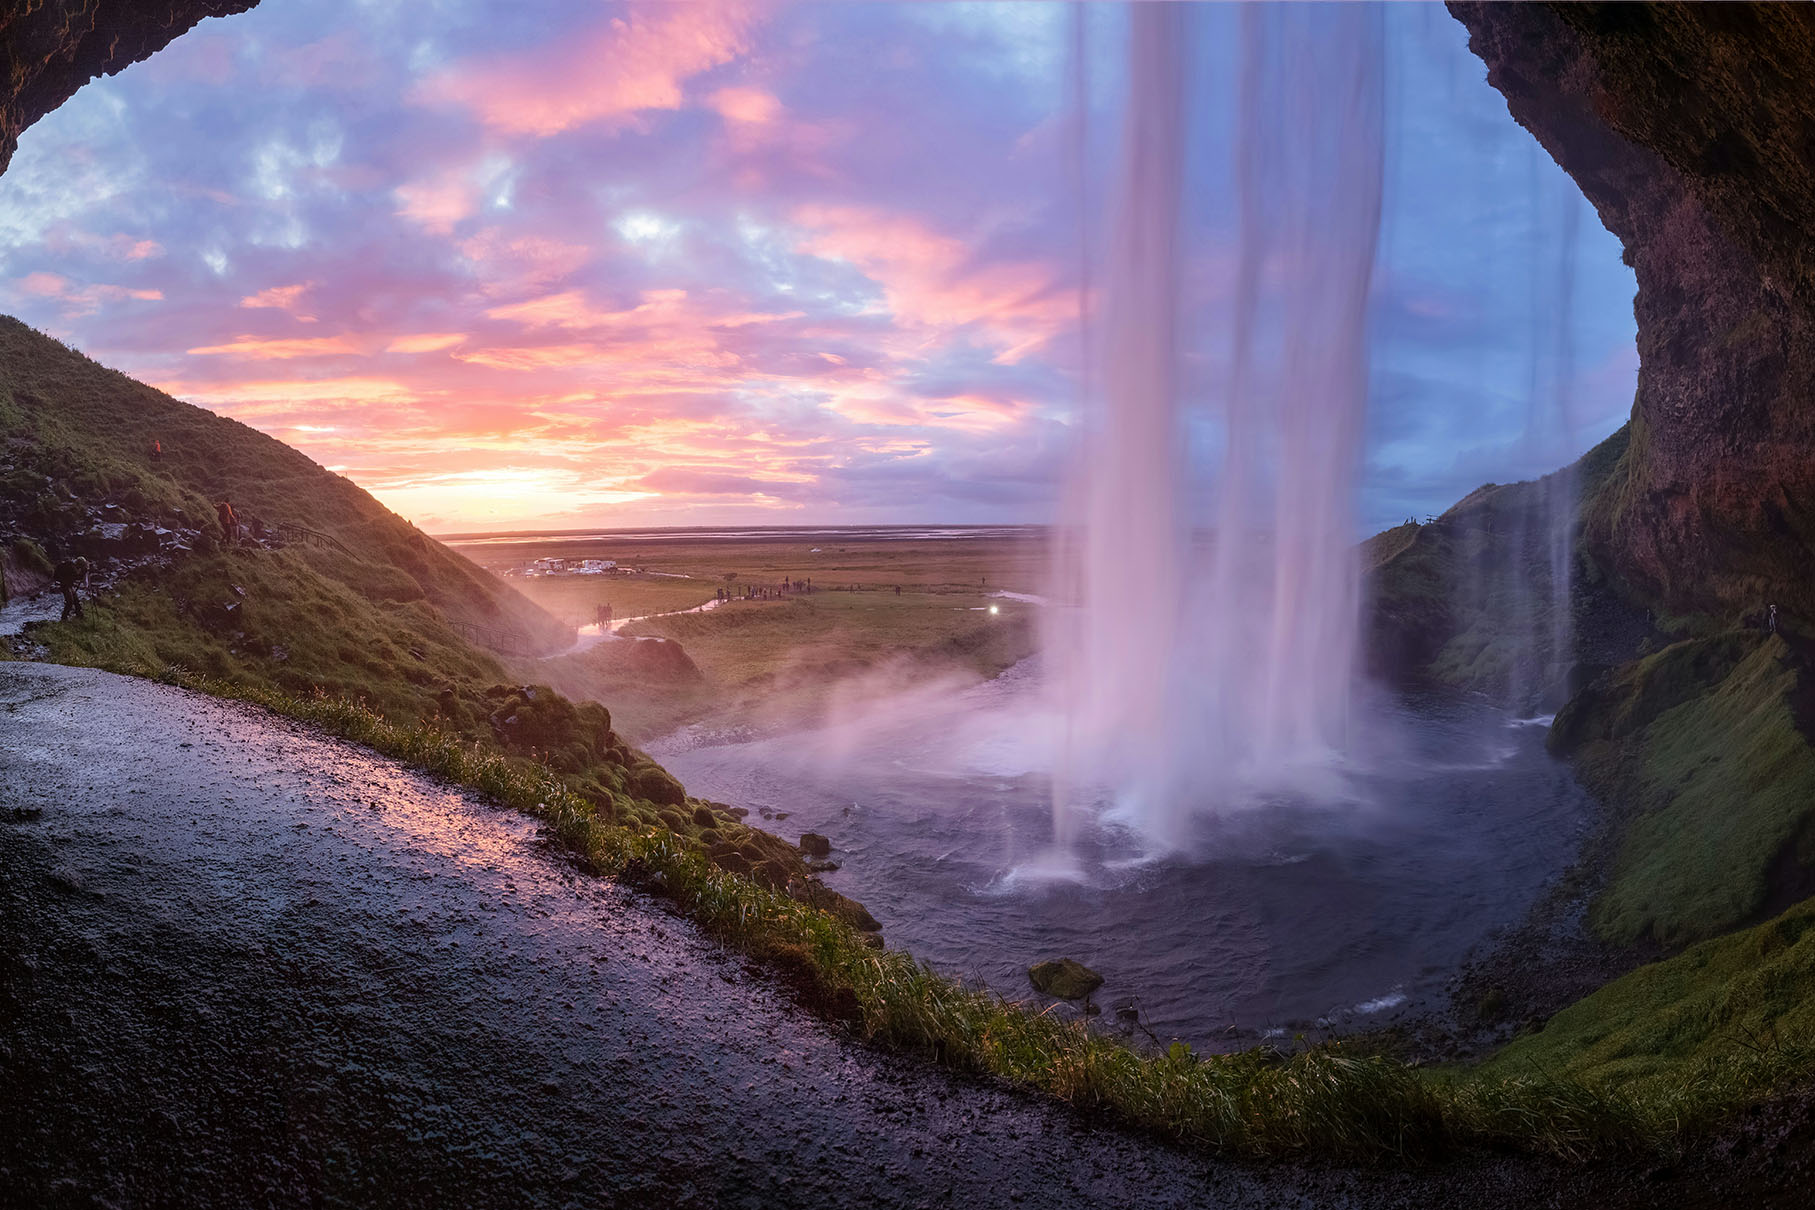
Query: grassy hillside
{"points": [[387, 619], [1692, 743], [1466, 600], [77, 434], [1711, 781], [1703, 1017]]}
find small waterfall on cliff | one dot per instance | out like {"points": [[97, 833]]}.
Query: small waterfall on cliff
{"points": [[1516, 545], [1210, 658]]}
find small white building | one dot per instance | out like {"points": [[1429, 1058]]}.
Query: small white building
{"points": [[593, 567], [548, 566]]}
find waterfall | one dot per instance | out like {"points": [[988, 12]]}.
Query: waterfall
{"points": [[1202, 664], [1515, 546]]}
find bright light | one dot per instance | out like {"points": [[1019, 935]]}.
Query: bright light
{"points": [[995, 609]]}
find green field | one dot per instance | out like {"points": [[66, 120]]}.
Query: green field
{"points": [[870, 563], [778, 662]]}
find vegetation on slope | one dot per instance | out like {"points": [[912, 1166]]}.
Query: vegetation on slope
{"points": [[384, 620], [1734, 1007], [77, 435], [1466, 600], [1711, 781]]}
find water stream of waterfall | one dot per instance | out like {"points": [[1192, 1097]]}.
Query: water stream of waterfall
{"points": [[1198, 669]]}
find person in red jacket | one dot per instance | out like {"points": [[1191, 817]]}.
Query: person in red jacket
{"points": [[229, 522]]}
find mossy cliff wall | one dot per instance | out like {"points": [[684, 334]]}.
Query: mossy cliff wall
{"points": [[1691, 128]]}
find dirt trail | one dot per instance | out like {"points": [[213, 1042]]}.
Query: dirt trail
{"points": [[242, 965]]}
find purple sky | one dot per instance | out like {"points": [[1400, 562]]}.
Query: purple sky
{"points": [[570, 264]]}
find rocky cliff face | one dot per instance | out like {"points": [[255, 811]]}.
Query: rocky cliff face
{"points": [[50, 48], [1692, 130]]}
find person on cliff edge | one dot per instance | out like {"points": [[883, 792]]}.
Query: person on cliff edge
{"points": [[229, 522]]}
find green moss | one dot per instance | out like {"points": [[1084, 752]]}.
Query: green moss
{"points": [[31, 556], [1065, 978], [1712, 783], [1733, 1009]]}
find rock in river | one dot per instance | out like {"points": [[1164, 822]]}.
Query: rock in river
{"points": [[1064, 978]]}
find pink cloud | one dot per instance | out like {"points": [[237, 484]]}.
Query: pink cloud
{"points": [[515, 264], [751, 106], [658, 309], [44, 285], [438, 204], [425, 342], [63, 239], [765, 143], [933, 281], [76, 301], [610, 76]]}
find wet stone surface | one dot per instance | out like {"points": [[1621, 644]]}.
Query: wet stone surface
{"points": [[243, 965]]}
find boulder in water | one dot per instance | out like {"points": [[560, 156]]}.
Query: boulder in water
{"points": [[815, 845], [1064, 979]]}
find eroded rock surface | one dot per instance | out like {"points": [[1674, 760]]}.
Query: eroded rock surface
{"points": [[51, 48], [1691, 127]]}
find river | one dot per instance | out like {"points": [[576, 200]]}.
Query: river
{"points": [[1286, 916]]}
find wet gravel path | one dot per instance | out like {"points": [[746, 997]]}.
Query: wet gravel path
{"points": [[243, 965]]}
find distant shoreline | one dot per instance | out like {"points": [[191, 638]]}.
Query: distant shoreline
{"points": [[734, 533]]}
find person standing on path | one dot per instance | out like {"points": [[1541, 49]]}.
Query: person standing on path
{"points": [[68, 574], [229, 522]]}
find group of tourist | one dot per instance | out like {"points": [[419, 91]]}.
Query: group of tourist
{"points": [[766, 592]]}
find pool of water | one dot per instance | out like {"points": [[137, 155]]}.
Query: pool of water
{"points": [[1282, 915]]}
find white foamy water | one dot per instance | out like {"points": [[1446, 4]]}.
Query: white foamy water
{"points": [[937, 804], [1194, 677]]}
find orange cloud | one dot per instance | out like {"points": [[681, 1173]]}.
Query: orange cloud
{"points": [[631, 65], [355, 389], [283, 298], [252, 346], [538, 358], [280, 298], [659, 308]]}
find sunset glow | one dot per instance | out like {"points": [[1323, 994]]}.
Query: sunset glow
{"points": [[578, 263]]}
